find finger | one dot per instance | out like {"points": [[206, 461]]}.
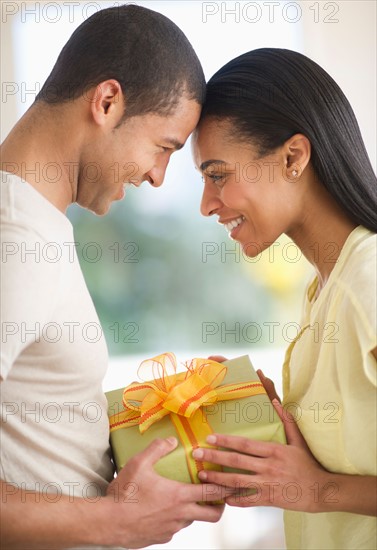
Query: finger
{"points": [[203, 492], [246, 501], [230, 480], [211, 513], [156, 450], [257, 494], [268, 385], [231, 459], [292, 431], [217, 358], [243, 444]]}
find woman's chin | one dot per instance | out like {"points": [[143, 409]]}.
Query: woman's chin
{"points": [[251, 249]]}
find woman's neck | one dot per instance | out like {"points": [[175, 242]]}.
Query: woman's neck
{"points": [[322, 234]]}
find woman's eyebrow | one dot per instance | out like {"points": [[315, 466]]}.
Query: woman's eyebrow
{"points": [[207, 163]]}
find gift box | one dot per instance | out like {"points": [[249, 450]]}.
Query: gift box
{"points": [[208, 397]]}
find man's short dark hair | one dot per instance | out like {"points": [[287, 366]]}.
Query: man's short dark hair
{"points": [[143, 50]]}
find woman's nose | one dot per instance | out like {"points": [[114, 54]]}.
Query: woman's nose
{"points": [[211, 202]]}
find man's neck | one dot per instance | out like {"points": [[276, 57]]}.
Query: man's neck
{"points": [[41, 151]]}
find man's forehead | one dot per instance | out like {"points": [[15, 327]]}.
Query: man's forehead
{"points": [[182, 123]]}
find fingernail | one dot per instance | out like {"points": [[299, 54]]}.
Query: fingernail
{"points": [[211, 439], [172, 441], [260, 373], [198, 453], [202, 475]]}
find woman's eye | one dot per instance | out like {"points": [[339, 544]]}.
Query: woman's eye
{"points": [[216, 178]]}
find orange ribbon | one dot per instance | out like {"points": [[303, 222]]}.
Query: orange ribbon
{"points": [[180, 395]]}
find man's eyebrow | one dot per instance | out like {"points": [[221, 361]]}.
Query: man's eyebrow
{"points": [[174, 142], [207, 163]]}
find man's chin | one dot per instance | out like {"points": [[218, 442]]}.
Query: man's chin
{"points": [[98, 210], [102, 210]]}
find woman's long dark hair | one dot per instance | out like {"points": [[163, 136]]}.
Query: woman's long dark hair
{"points": [[271, 94]]}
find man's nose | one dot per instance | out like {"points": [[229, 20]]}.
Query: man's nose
{"points": [[156, 175]]}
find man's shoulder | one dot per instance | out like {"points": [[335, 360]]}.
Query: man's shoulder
{"points": [[24, 211]]}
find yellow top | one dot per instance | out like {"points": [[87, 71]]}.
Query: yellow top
{"points": [[329, 381]]}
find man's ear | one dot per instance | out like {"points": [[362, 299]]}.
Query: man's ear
{"points": [[107, 103], [297, 153]]}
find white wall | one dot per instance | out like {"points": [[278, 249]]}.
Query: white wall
{"points": [[347, 50], [340, 36]]}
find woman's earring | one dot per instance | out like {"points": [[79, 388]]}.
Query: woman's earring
{"points": [[292, 173]]}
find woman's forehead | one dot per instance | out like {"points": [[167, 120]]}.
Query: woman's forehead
{"points": [[217, 126], [216, 139]]}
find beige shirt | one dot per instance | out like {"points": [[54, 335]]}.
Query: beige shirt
{"points": [[329, 380], [55, 434]]}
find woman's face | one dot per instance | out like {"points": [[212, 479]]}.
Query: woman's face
{"points": [[256, 199]]}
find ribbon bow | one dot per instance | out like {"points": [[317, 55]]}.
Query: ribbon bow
{"points": [[179, 395]]}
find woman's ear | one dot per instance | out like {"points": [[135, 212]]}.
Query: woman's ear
{"points": [[107, 103], [297, 152]]}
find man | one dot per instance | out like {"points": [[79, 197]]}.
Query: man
{"points": [[125, 91]]}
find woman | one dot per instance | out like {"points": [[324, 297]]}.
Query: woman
{"points": [[281, 152]]}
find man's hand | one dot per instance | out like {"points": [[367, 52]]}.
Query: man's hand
{"points": [[150, 509], [141, 508]]}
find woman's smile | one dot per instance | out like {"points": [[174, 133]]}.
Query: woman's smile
{"points": [[233, 225]]}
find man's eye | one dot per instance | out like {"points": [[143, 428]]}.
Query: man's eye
{"points": [[165, 149]]}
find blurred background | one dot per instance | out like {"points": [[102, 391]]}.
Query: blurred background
{"points": [[162, 277]]}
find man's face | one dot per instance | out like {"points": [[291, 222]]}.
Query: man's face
{"points": [[138, 150]]}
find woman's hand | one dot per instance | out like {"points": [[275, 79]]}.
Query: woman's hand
{"points": [[269, 386], [218, 358], [285, 476]]}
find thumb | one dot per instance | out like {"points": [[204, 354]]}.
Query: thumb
{"points": [[292, 431], [268, 385], [217, 358], [156, 450]]}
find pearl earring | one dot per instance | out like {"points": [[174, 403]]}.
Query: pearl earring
{"points": [[294, 173]]}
